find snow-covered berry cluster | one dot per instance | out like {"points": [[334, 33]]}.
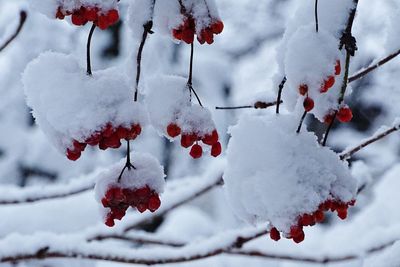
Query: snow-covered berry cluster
{"points": [[186, 19], [177, 116], [310, 219], [81, 110], [79, 17], [290, 180], [137, 187], [108, 137]]}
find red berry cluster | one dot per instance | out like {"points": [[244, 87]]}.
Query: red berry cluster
{"points": [[296, 231], [325, 86], [108, 137], [344, 115], [186, 31], [81, 16], [120, 199], [192, 139]]}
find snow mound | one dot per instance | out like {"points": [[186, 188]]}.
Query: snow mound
{"points": [[276, 175]]}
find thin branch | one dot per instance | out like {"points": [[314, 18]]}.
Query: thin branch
{"points": [[142, 240], [316, 15], [257, 105], [22, 19], [279, 98], [301, 121], [351, 151], [88, 60], [187, 253], [373, 67]]}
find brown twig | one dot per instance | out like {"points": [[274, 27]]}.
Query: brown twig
{"points": [[88, 45], [301, 122], [350, 152], [257, 105], [279, 98], [373, 67], [22, 19]]}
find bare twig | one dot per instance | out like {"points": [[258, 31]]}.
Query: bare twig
{"points": [[257, 105], [88, 60], [279, 98], [22, 19], [301, 122], [373, 67]]}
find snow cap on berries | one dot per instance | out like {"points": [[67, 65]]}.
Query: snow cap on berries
{"points": [[277, 175]]}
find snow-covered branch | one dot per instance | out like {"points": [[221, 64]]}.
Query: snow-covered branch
{"points": [[382, 133], [373, 66], [22, 19]]}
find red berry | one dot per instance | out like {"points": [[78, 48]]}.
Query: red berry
{"points": [[94, 140], [141, 207], [112, 141], [211, 139], [299, 238], [60, 14], [78, 18], [345, 114], [338, 68], [196, 151], [154, 203], [177, 33], [217, 27], [303, 89], [342, 214], [188, 36], [91, 14], [102, 22], [306, 220], [274, 234], [78, 146], [328, 119], [143, 192], [296, 231], [188, 140], [319, 216], [308, 104], [206, 36], [122, 132], [73, 154], [112, 16], [216, 149], [108, 130], [328, 83], [173, 130], [109, 221]]}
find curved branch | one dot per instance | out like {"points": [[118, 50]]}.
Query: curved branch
{"points": [[22, 19]]}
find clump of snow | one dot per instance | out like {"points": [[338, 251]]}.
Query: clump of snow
{"points": [[310, 60], [139, 13], [393, 32], [49, 7], [168, 101], [70, 105], [276, 175], [147, 172]]}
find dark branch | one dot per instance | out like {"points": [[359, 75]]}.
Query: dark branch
{"points": [[88, 60], [279, 98], [257, 105], [22, 19]]}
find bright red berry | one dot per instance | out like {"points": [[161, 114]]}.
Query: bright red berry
{"points": [[154, 203], [308, 104], [274, 234], [217, 27], [188, 140], [196, 151], [345, 114], [173, 130], [328, 83], [112, 16], [338, 68], [211, 139], [73, 155], [216, 149]]}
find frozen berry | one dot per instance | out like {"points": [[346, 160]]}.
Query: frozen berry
{"points": [[328, 119], [328, 83], [308, 104], [216, 149], [338, 68], [154, 203], [303, 89], [196, 151], [173, 130], [188, 140], [345, 114], [211, 139], [274, 234], [217, 27]]}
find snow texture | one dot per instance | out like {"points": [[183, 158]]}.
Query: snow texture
{"points": [[310, 59], [72, 105], [49, 7], [274, 174], [168, 101], [147, 172], [393, 31], [139, 13]]}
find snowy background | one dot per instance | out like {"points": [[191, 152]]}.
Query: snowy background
{"points": [[240, 68]]}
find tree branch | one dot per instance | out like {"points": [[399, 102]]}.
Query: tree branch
{"points": [[257, 105], [380, 135], [373, 67], [22, 19]]}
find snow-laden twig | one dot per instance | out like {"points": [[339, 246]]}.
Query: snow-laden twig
{"points": [[44, 246], [373, 66], [257, 105], [382, 133], [16, 195], [22, 19]]}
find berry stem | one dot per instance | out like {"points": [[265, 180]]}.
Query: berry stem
{"points": [[128, 164], [88, 60], [190, 79], [22, 19], [279, 98], [316, 16], [257, 105], [147, 29], [301, 121]]}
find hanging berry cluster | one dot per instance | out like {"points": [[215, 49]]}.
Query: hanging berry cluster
{"points": [[118, 200], [108, 137], [296, 231], [83, 14]]}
